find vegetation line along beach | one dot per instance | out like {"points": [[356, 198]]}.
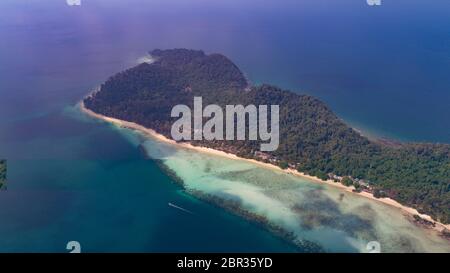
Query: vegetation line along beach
{"points": [[312, 139], [438, 226]]}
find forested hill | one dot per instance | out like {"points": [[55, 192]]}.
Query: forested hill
{"points": [[312, 138]]}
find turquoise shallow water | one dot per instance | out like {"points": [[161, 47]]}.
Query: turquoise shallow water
{"points": [[311, 211], [119, 204]]}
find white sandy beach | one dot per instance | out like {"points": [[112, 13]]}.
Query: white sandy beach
{"points": [[152, 133]]}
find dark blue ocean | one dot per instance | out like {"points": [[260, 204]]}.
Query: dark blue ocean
{"points": [[384, 70]]}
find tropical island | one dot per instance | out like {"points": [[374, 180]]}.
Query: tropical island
{"points": [[313, 140], [2, 174]]}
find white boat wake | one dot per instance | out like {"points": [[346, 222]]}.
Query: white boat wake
{"points": [[180, 208]]}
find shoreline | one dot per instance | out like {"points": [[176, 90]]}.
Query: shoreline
{"points": [[438, 226]]}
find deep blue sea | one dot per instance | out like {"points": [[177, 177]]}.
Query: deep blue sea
{"points": [[384, 70]]}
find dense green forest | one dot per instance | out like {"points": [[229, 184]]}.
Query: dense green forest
{"points": [[312, 138], [2, 174]]}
